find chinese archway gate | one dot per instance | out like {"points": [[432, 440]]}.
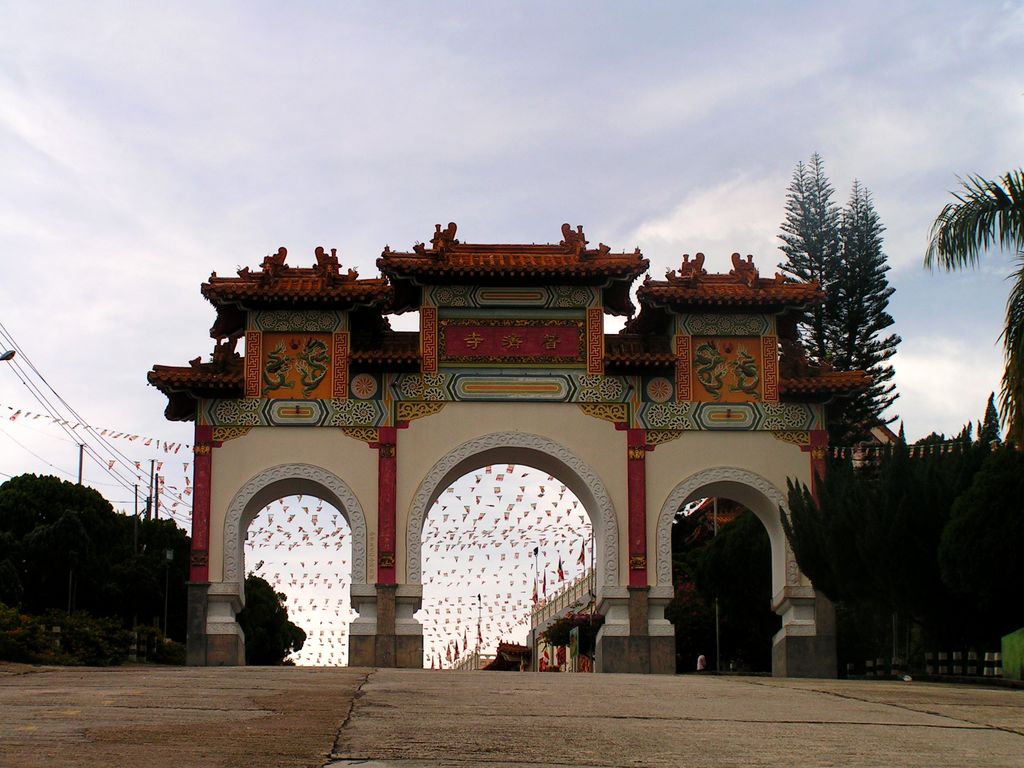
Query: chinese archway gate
{"points": [[705, 392]]}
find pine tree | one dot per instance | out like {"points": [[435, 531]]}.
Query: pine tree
{"points": [[859, 301], [842, 251], [988, 430], [810, 235]]}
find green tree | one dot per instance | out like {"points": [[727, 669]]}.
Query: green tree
{"points": [[736, 568], [988, 429], [63, 527], [269, 636], [61, 540], [842, 251], [990, 213], [871, 537], [980, 552], [733, 567], [860, 300], [811, 242]]}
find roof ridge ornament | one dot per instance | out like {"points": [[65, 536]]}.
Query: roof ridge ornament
{"points": [[744, 270], [576, 241], [444, 237], [689, 271], [328, 267]]}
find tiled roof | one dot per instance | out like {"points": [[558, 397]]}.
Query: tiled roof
{"points": [[184, 385], [637, 351], [742, 287], [449, 258], [168, 378], [825, 382], [395, 347], [277, 283]]}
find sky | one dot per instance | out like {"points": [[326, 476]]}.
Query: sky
{"points": [[479, 567], [144, 145]]}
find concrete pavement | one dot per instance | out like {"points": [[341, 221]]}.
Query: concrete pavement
{"points": [[157, 717]]}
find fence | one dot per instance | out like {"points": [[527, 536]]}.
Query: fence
{"points": [[567, 598], [941, 664]]}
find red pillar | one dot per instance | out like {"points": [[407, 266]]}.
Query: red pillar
{"points": [[636, 486], [387, 477], [202, 471]]}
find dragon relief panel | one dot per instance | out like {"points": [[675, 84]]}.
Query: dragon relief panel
{"points": [[727, 370], [296, 366]]}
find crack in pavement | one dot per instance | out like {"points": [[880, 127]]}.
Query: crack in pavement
{"points": [[972, 724], [333, 756]]}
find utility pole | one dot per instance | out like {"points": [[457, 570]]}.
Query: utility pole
{"points": [[149, 504], [156, 498], [169, 556], [135, 523], [81, 452], [718, 642], [479, 618]]}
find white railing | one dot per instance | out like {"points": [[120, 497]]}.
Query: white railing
{"points": [[571, 595], [473, 662]]}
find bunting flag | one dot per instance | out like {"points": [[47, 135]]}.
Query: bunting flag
{"points": [[113, 434], [476, 564]]}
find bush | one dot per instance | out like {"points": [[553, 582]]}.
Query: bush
{"points": [[159, 649], [90, 641], [22, 638], [558, 633]]}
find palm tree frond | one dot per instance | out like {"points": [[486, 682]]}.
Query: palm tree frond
{"points": [[985, 213], [1012, 395]]}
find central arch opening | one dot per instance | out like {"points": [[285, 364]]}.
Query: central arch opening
{"points": [[552, 460], [501, 545]]}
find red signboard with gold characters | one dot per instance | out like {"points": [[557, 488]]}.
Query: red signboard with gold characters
{"points": [[512, 341]]}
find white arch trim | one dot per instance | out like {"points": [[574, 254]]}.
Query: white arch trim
{"points": [[519, 448], [289, 480], [736, 484]]}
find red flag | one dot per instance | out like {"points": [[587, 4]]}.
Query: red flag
{"points": [[534, 598], [544, 585], [583, 554], [561, 573]]}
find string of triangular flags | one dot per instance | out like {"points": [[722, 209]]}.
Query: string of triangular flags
{"points": [[154, 443], [480, 572]]}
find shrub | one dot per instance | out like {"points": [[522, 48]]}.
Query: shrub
{"points": [[22, 638]]}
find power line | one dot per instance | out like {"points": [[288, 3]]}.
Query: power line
{"points": [[94, 454]]}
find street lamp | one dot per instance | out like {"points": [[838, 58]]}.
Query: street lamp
{"points": [[7, 354]]}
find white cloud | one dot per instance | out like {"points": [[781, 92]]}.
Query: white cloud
{"points": [[944, 382], [740, 215]]}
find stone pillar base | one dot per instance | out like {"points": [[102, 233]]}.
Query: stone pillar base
{"points": [[632, 639], [386, 634], [225, 651], [195, 624], [637, 655], [796, 656], [361, 651], [806, 644]]}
